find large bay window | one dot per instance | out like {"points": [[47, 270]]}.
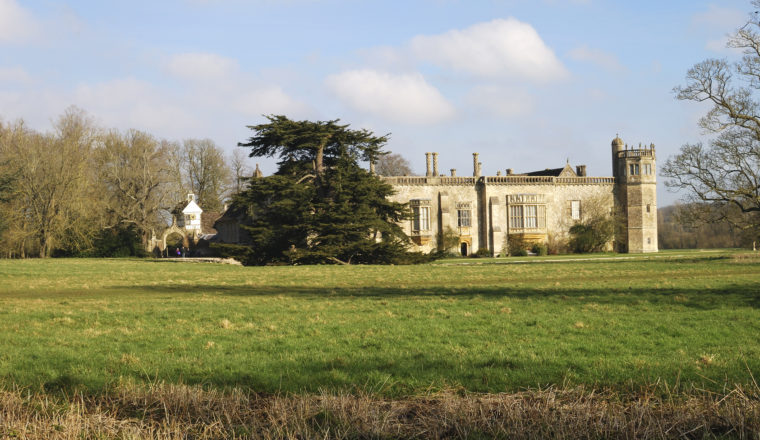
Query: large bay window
{"points": [[527, 211]]}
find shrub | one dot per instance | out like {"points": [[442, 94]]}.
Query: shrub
{"points": [[540, 249], [591, 236], [481, 253], [519, 253], [516, 244]]}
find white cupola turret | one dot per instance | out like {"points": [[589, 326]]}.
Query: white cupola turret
{"points": [[192, 214]]}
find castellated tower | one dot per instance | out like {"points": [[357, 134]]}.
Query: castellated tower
{"points": [[635, 196]]}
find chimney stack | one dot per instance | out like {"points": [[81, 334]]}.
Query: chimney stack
{"points": [[580, 170], [435, 164], [372, 167], [427, 164], [453, 172], [475, 165], [509, 171]]}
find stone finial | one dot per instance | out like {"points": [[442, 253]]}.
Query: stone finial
{"points": [[498, 172], [435, 164], [428, 171], [475, 168], [453, 172], [257, 172]]}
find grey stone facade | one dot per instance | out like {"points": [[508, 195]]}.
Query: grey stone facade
{"points": [[484, 210]]}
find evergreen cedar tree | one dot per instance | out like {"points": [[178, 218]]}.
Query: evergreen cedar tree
{"points": [[320, 206]]}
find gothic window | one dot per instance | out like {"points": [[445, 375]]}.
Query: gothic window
{"points": [[421, 218], [420, 214], [527, 216], [463, 218], [575, 209], [516, 216]]}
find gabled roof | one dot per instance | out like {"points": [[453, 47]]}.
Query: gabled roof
{"points": [[566, 171], [192, 208]]}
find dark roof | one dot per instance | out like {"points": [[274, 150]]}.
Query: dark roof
{"points": [[207, 222], [555, 172]]}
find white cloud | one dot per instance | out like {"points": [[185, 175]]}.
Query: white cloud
{"points": [[496, 49], [719, 18], [201, 66], [501, 101], [14, 75], [602, 59], [404, 98], [16, 24]]}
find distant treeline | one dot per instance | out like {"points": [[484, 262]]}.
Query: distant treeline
{"points": [[83, 190], [675, 234]]}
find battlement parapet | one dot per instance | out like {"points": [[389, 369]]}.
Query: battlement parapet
{"points": [[645, 152], [497, 180]]}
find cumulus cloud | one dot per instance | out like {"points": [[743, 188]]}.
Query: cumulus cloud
{"points": [[201, 66], [16, 24], [602, 59], [502, 48], [404, 98]]}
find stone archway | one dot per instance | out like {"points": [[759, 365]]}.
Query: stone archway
{"points": [[174, 229]]}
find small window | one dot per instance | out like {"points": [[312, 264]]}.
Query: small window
{"points": [[421, 220], [463, 218], [649, 240], [575, 209], [633, 169], [649, 209], [647, 168]]}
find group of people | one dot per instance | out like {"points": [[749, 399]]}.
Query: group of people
{"points": [[180, 252]]}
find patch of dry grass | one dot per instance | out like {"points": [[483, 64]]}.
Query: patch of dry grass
{"points": [[179, 411]]}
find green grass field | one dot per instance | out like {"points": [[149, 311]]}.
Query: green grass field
{"points": [[678, 319]]}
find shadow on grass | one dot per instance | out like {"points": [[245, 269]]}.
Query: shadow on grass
{"points": [[696, 297]]}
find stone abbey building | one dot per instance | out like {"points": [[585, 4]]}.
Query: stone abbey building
{"points": [[483, 211]]}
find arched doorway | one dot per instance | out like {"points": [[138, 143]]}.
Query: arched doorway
{"points": [[463, 249], [174, 241], [174, 238]]}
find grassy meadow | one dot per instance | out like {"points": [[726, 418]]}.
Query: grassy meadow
{"points": [[676, 320]]}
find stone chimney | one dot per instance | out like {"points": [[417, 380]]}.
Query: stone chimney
{"points": [[453, 172], [428, 172], [580, 170], [435, 164], [372, 167], [257, 172], [510, 171], [475, 165]]}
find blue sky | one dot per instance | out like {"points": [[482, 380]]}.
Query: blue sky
{"points": [[527, 84]]}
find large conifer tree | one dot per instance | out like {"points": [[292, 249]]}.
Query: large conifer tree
{"points": [[320, 206]]}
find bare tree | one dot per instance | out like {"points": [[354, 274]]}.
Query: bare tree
{"points": [[393, 164], [52, 181], [205, 172], [721, 180], [240, 169], [135, 173]]}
